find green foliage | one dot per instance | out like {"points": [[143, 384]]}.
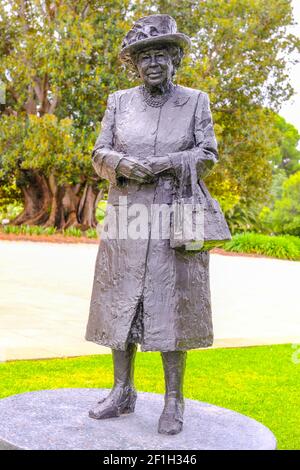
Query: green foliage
{"points": [[91, 233], [244, 217], [39, 230], [10, 211], [100, 210], [260, 382], [9, 193], [279, 177], [11, 229], [62, 57], [237, 47], [31, 230], [72, 232], [284, 217], [294, 240], [45, 144], [59, 61], [283, 247], [28, 230], [49, 230], [288, 157]]}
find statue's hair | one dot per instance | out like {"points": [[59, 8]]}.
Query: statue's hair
{"points": [[176, 54]]}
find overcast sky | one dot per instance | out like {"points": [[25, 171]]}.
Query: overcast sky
{"points": [[291, 110]]}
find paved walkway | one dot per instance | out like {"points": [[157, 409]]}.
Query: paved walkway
{"points": [[45, 290]]}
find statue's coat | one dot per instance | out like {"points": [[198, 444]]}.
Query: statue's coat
{"points": [[173, 285]]}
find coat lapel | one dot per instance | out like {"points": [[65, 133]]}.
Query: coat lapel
{"points": [[180, 97]]}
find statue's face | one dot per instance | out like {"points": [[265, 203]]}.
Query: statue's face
{"points": [[155, 66]]}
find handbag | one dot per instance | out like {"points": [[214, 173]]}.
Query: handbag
{"points": [[197, 222]]}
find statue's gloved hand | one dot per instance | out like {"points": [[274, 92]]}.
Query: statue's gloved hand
{"points": [[158, 163], [132, 169]]}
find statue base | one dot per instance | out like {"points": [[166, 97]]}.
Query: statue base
{"points": [[58, 419]]}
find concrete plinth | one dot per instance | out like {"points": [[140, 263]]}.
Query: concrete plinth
{"points": [[58, 419]]}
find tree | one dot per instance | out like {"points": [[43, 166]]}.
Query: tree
{"points": [[240, 55], [61, 58], [285, 216], [288, 156], [58, 61], [285, 163], [50, 159]]}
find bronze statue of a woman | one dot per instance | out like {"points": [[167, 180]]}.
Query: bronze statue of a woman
{"points": [[145, 291]]}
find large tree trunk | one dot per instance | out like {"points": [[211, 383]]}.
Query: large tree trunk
{"points": [[52, 205], [71, 201], [56, 217], [36, 200], [87, 207]]}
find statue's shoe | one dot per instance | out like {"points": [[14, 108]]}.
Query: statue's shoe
{"points": [[171, 419], [114, 405]]}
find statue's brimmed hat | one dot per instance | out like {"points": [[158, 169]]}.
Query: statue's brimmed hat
{"points": [[153, 30]]}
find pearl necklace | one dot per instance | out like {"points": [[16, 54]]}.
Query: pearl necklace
{"points": [[157, 100]]}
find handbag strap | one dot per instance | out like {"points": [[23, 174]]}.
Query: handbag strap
{"points": [[200, 193], [194, 180], [183, 176], [199, 190], [188, 172]]}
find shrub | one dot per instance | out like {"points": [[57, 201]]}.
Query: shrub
{"points": [[283, 247], [91, 233], [50, 230], [29, 230], [284, 218], [100, 211], [72, 232], [10, 211]]}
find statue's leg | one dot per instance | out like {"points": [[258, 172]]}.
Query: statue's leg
{"points": [[171, 419], [122, 397]]}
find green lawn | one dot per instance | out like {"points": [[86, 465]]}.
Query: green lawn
{"points": [[261, 382]]}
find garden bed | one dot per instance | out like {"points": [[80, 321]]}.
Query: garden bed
{"points": [[57, 238]]}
